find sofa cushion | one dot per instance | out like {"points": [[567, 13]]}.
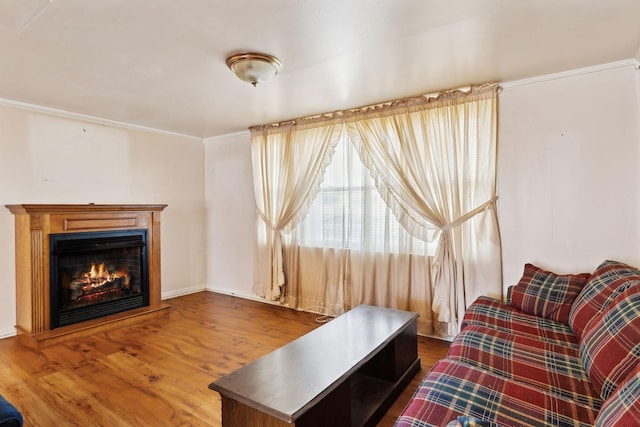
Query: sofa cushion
{"points": [[622, 408], [492, 313], [610, 349], [453, 388], [552, 367], [606, 282], [547, 294]]}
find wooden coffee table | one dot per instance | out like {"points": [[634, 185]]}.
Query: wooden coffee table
{"points": [[347, 372]]}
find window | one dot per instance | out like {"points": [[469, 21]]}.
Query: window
{"points": [[349, 213]]}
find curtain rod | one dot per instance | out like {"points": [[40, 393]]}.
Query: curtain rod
{"points": [[413, 100]]}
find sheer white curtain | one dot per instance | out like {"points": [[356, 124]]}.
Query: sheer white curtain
{"points": [[434, 163], [288, 162], [404, 216], [351, 250]]}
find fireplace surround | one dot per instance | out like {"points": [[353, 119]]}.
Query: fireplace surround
{"points": [[52, 236]]}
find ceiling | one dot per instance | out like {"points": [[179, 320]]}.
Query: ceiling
{"points": [[161, 63]]}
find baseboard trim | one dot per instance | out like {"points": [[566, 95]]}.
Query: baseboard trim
{"points": [[183, 291], [244, 295], [8, 332], [234, 293]]}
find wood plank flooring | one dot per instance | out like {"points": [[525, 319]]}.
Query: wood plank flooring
{"points": [[157, 372]]}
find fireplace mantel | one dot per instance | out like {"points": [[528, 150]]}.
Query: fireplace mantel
{"points": [[33, 225]]}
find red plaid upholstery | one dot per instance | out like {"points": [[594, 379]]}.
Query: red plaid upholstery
{"points": [[494, 314], [549, 366], [547, 294], [610, 349], [452, 389], [511, 368], [622, 408], [609, 279]]}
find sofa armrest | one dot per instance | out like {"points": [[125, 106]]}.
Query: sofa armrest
{"points": [[509, 290]]}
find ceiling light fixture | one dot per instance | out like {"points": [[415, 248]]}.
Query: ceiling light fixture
{"points": [[254, 67]]}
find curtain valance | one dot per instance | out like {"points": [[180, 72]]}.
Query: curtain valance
{"points": [[423, 102], [411, 104]]}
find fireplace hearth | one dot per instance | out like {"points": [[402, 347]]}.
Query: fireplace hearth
{"points": [[85, 268]]}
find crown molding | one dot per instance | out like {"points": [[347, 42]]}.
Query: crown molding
{"points": [[92, 119], [227, 136], [572, 73]]}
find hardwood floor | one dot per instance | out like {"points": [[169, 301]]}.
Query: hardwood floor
{"points": [[157, 372]]}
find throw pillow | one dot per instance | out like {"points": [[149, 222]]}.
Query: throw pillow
{"points": [[605, 284], [546, 294], [610, 349]]}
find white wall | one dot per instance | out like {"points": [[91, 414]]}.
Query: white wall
{"points": [[230, 214], [46, 158], [569, 180]]}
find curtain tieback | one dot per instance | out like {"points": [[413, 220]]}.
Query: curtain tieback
{"points": [[469, 214], [266, 221]]}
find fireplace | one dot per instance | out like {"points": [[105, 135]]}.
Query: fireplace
{"points": [[95, 274], [81, 269]]}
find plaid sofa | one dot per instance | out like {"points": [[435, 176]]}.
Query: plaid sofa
{"points": [[563, 351]]}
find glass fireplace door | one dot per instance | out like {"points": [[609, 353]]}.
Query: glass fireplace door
{"points": [[94, 274]]}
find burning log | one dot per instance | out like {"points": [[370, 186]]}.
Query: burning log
{"points": [[98, 280]]}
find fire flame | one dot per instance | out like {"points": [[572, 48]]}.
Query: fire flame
{"points": [[99, 275]]}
